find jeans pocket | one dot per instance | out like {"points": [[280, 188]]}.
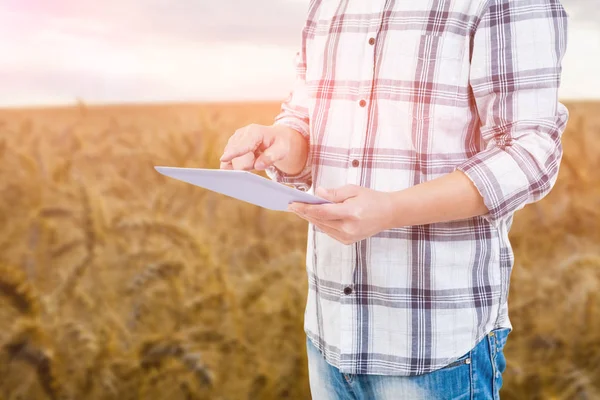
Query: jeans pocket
{"points": [[500, 338], [466, 359]]}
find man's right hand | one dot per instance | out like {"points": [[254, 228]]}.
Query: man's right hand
{"points": [[259, 147]]}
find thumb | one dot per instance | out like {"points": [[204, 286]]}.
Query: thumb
{"points": [[276, 152], [338, 195]]}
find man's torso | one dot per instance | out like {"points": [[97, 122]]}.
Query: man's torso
{"points": [[391, 106]]}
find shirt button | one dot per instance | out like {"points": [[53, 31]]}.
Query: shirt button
{"points": [[362, 103], [372, 41], [355, 163], [347, 290]]}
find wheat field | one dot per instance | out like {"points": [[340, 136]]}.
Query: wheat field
{"points": [[118, 283]]}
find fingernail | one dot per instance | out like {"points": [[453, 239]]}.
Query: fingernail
{"points": [[260, 165]]}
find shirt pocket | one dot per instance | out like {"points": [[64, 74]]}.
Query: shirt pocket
{"points": [[441, 47], [435, 70]]}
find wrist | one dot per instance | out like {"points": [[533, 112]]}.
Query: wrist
{"points": [[399, 210], [280, 130], [297, 154]]}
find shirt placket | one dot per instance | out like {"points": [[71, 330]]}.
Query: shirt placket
{"points": [[356, 159], [362, 106]]}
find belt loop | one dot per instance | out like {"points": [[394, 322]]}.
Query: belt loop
{"points": [[493, 344]]}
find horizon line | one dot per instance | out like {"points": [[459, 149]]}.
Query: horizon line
{"points": [[159, 103]]}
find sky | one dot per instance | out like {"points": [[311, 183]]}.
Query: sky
{"points": [[121, 51]]}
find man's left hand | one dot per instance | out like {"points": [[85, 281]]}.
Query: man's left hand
{"points": [[357, 213]]}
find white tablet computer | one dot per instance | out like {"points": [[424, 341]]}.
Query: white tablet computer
{"points": [[243, 185]]}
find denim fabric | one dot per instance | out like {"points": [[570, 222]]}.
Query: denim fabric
{"points": [[474, 376]]}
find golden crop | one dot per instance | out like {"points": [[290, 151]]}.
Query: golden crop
{"points": [[118, 283]]}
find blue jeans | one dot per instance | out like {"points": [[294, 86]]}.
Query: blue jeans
{"points": [[476, 375]]}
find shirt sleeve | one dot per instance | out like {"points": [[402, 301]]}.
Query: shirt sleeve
{"points": [[294, 114], [515, 72]]}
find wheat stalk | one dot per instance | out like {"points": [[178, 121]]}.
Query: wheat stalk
{"points": [[164, 271], [92, 230], [25, 344], [65, 248], [154, 351], [215, 300], [172, 232], [17, 288], [55, 212], [103, 354], [260, 287], [153, 272]]}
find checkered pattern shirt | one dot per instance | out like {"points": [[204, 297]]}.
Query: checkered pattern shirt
{"points": [[394, 93]]}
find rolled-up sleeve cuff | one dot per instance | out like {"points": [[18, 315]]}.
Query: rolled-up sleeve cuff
{"points": [[303, 180], [488, 172], [297, 124]]}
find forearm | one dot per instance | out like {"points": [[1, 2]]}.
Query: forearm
{"points": [[448, 198], [298, 152]]}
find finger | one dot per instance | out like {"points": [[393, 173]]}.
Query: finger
{"points": [[332, 232], [226, 165], [244, 141], [323, 212], [336, 224], [338, 195], [243, 163], [321, 224], [271, 155]]}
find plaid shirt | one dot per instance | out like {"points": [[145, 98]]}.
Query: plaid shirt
{"points": [[394, 93]]}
